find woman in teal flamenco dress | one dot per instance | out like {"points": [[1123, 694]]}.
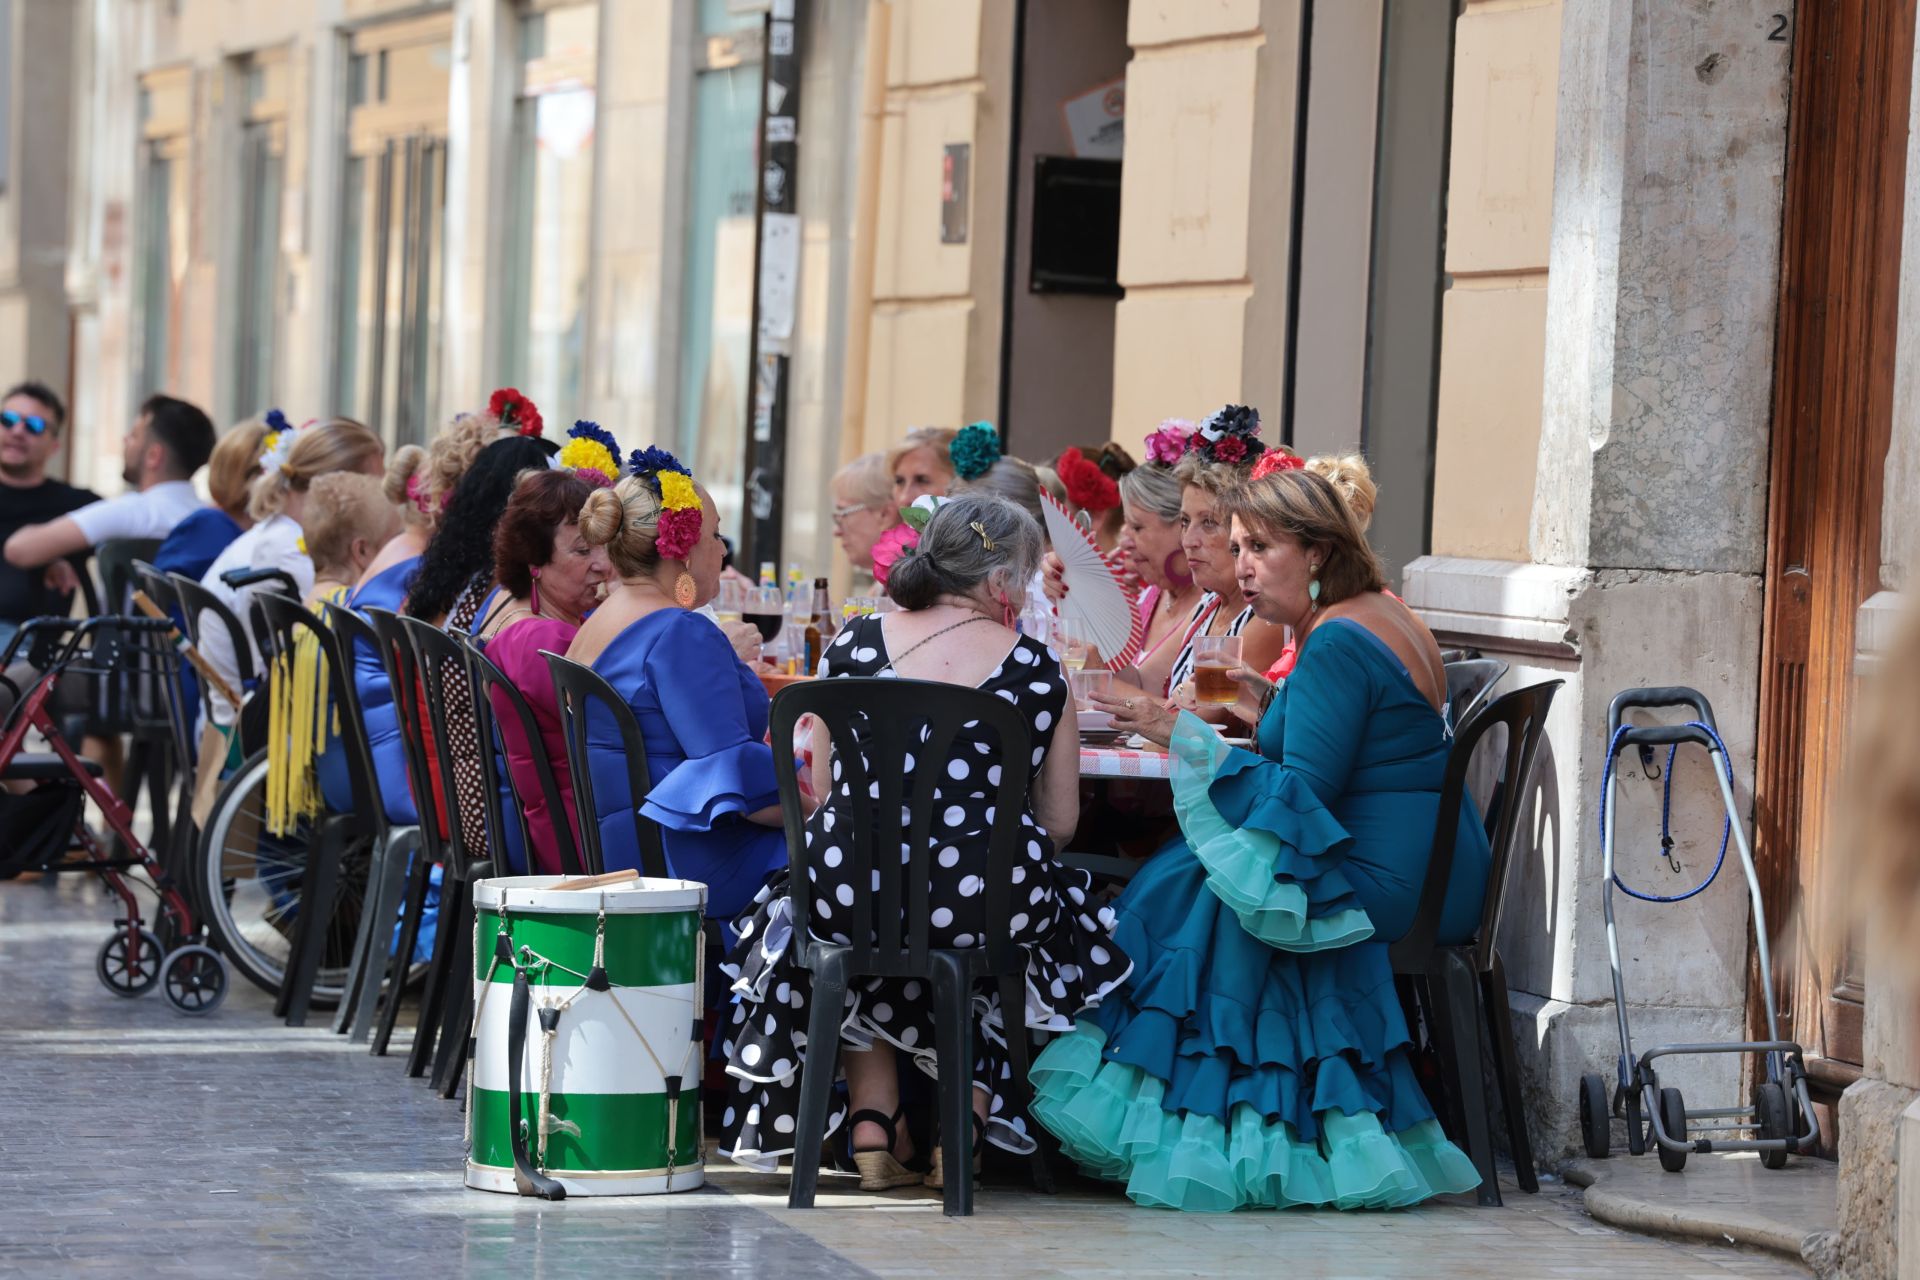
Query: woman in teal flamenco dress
{"points": [[1258, 1055]]}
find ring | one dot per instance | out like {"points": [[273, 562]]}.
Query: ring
{"points": [[1129, 704]]}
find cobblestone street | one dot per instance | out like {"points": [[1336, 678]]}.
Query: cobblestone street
{"points": [[142, 1142]]}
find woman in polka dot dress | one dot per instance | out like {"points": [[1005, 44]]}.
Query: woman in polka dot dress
{"points": [[975, 559]]}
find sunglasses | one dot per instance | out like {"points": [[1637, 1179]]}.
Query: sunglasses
{"points": [[33, 422]]}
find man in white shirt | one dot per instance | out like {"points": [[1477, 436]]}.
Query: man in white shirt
{"points": [[169, 441]]}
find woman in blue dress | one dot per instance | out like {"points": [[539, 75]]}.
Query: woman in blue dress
{"points": [[702, 713], [1258, 1055]]}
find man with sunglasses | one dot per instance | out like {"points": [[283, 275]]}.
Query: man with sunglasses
{"points": [[170, 440], [31, 418]]}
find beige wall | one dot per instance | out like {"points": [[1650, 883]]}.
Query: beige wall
{"points": [[1493, 329], [934, 355]]}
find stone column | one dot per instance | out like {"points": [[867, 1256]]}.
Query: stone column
{"points": [[1647, 531]]}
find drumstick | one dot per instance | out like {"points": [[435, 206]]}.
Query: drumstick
{"points": [[599, 882], [192, 654]]}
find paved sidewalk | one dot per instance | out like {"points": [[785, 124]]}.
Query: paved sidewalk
{"points": [[136, 1141], [1726, 1197]]}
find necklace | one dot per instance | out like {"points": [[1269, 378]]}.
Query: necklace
{"points": [[895, 662]]}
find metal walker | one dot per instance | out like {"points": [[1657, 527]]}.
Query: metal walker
{"points": [[1780, 1119]]}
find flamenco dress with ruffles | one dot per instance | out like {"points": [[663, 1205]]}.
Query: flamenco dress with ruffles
{"points": [[1071, 959], [703, 718], [1258, 1056]]}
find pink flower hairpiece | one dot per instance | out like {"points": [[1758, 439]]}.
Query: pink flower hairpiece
{"points": [[1170, 443]]}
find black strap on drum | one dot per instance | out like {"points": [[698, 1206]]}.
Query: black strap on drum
{"points": [[526, 1179]]}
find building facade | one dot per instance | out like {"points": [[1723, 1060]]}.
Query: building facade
{"points": [[1615, 296]]}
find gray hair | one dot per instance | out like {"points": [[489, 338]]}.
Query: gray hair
{"points": [[1152, 487], [867, 480], [955, 557], [1010, 478]]}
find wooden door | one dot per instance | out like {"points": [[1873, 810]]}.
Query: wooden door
{"points": [[1833, 396]]}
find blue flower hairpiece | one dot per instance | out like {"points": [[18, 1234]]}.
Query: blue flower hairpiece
{"points": [[276, 420], [651, 461], [585, 430], [974, 450]]}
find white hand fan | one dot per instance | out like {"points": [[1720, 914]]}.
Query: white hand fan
{"points": [[1098, 603]]}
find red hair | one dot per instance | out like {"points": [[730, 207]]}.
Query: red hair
{"points": [[542, 502]]}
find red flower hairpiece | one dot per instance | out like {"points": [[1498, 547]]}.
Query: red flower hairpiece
{"points": [[1088, 487], [516, 411], [1277, 459]]}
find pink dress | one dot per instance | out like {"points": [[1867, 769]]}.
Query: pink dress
{"points": [[515, 649]]}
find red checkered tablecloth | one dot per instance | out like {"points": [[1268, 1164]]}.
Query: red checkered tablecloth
{"points": [[1122, 762]]}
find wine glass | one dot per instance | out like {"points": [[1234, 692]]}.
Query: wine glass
{"points": [[1070, 640], [766, 608]]}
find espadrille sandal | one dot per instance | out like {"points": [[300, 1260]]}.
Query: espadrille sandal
{"points": [[937, 1179], [879, 1170]]}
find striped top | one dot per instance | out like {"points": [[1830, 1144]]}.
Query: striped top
{"points": [[1183, 665]]}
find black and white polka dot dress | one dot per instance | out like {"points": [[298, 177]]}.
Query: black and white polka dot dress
{"points": [[1072, 961]]}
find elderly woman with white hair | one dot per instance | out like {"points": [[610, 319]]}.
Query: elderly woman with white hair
{"points": [[863, 510]]}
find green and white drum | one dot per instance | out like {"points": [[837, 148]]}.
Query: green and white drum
{"points": [[597, 993]]}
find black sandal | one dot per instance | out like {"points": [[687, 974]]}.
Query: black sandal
{"points": [[879, 1170]]}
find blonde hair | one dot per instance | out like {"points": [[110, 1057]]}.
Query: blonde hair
{"points": [[334, 444], [343, 506], [625, 520], [451, 453], [235, 463], [868, 480], [938, 439], [1306, 507], [407, 462], [1352, 479]]}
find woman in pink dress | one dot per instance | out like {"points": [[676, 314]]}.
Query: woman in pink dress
{"points": [[550, 578]]}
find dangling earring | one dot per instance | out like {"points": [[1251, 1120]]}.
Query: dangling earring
{"points": [[533, 600], [1313, 588], [684, 590], [1007, 617], [1178, 581]]}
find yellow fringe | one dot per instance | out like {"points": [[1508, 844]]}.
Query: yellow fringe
{"points": [[297, 723]]}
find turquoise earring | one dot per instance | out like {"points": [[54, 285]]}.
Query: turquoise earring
{"points": [[1313, 586]]}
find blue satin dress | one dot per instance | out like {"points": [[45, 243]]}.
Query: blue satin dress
{"points": [[703, 716], [385, 590], [1258, 1056]]}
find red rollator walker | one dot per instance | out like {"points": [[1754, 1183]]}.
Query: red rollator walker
{"points": [[1780, 1119], [40, 826]]}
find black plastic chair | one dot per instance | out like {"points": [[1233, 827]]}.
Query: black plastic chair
{"points": [[331, 889], [487, 679], [166, 714], [1470, 682], [1466, 982], [873, 725], [436, 656], [397, 656], [387, 874], [576, 688], [204, 610]]}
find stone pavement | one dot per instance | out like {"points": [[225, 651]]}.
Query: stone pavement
{"points": [[137, 1141], [1729, 1196]]}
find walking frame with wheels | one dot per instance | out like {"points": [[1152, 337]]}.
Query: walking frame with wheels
{"points": [[1780, 1119], [132, 961]]}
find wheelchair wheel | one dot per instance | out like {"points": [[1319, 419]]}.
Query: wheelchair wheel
{"points": [[249, 882], [129, 962], [194, 979]]}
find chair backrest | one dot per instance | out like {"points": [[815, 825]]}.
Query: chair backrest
{"points": [[1469, 683], [201, 608], [158, 587], [397, 656], [1524, 714], [116, 559], [488, 680], [284, 621], [874, 725], [155, 668], [577, 688], [437, 655]]}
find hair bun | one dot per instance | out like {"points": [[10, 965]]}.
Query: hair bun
{"points": [[405, 463], [601, 516]]}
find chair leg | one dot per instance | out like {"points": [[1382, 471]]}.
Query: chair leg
{"points": [[1506, 1068], [829, 997], [387, 890], [1456, 1006], [358, 965], [401, 959], [953, 1038], [319, 887], [1019, 1057], [433, 997], [457, 1018]]}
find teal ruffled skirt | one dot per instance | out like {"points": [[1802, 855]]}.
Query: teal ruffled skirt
{"points": [[1257, 1056]]}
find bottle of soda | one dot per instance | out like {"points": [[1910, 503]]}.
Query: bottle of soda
{"points": [[768, 574]]}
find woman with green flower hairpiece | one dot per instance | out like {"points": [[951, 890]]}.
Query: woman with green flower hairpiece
{"points": [[702, 712]]}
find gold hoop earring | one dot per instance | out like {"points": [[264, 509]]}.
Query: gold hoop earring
{"points": [[684, 590]]}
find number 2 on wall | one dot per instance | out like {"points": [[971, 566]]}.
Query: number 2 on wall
{"points": [[1779, 32]]}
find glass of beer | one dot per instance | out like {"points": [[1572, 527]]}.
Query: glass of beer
{"points": [[1215, 659]]}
